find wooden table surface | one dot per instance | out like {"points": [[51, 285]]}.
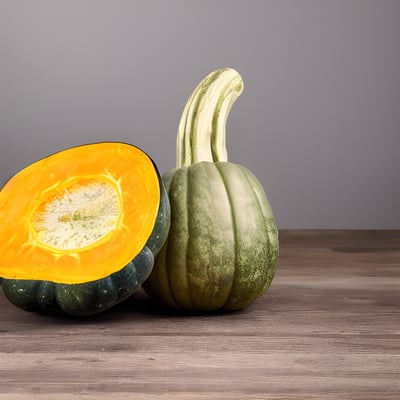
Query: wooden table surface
{"points": [[328, 328]]}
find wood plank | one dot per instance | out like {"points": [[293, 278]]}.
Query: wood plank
{"points": [[328, 328]]}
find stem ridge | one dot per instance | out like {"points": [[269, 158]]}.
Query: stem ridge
{"points": [[202, 128]]}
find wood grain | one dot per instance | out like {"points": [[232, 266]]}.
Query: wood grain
{"points": [[328, 328]]}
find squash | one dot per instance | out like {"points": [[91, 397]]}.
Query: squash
{"points": [[222, 249], [81, 228]]}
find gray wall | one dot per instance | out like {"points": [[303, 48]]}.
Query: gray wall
{"points": [[318, 121]]}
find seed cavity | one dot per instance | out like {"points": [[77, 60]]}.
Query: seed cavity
{"points": [[77, 216]]}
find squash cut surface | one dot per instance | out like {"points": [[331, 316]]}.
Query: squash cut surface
{"points": [[78, 215]]}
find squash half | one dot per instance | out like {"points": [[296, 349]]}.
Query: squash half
{"points": [[81, 228]]}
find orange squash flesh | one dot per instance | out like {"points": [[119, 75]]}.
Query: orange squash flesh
{"points": [[78, 215]]}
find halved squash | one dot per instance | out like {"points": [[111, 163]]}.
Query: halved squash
{"points": [[80, 228]]}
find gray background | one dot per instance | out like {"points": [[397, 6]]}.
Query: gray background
{"points": [[318, 122]]}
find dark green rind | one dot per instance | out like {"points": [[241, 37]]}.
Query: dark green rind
{"points": [[99, 295], [222, 249], [80, 299]]}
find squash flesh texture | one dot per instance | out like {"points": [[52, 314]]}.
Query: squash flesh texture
{"points": [[79, 215], [134, 178]]}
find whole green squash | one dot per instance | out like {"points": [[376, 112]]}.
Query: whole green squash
{"points": [[222, 248]]}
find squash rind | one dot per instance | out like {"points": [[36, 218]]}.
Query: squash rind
{"points": [[217, 256]]}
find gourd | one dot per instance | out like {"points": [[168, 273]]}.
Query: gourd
{"points": [[222, 249], [81, 228]]}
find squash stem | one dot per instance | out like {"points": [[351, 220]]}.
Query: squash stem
{"points": [[202, 127]]}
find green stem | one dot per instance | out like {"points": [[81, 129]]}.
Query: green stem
{"points": [[201, 131]]}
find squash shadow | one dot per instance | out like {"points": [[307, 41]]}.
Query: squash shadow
{"points": [[141, 303]]}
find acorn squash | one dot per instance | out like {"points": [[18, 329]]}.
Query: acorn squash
{"points": [[222, 249], [80, 228]]}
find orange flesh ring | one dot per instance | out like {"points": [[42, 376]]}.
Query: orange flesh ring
{"points": [[124, 180]]}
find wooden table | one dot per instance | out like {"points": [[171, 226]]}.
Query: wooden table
{"points": [[328, 328]]}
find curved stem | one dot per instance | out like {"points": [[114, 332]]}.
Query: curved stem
{"points": [[201, 130]]}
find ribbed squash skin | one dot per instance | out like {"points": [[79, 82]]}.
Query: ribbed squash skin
{"points": [[99, 295], [222, 249]]}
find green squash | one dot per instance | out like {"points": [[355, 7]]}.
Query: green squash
{"points": [[110, 191], [222, 249]]}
